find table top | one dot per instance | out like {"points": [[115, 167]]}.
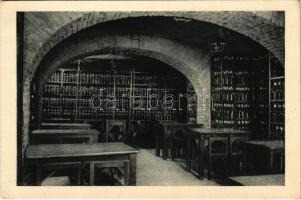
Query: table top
{"points": [[65, 131], [260, 180], [67, 125], [271, 144], [218, 131], [77, 150]]}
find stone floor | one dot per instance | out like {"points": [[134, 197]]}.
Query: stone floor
{"points": [[154, 171]]}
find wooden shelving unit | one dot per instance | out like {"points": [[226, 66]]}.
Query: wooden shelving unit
{"points": [[240, 93], [68, 94], [276, 99]]}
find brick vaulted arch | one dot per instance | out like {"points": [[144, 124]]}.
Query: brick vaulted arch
{"points": [[191, 62], [259, 29]]}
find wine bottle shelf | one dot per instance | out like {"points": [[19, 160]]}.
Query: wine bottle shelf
{"points": [[67, 95]]}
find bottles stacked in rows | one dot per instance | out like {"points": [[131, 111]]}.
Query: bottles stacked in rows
{"points": [[95, 90], [68, 103], [84, 103], [243, 124], [55, 78], [122, 79], [122, 92], [228, 93], [51, 89], [69, 90], [93, 78], [51, 113], [69, 77], [277, 114], [155, 114], [262, 94], [51, 102], [277, 90], [147, 79], [278, 131], [242, 111], [243, 94], [89, 113], [226, 77], [242, 78]]}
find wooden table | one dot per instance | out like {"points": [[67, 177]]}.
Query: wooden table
{"points": [[261, 180], [164, 140], [83, 153], [59, 135], [210, 134], [65, 126], [272, 147]]}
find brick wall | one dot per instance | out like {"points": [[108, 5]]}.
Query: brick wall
{"points": [[57, 26]]}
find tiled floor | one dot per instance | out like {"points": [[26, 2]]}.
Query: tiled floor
{"points": [[154, 171]]}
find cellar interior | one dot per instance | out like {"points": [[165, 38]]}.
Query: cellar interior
{"points": [[167, 92]]}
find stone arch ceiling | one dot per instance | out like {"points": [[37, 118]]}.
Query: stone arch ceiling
{"points": [[189, 62], [262, 27]]}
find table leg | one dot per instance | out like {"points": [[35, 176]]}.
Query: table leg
{"points": [[133, 168], [38, 174], [126, 173], [78, 177], [95, 139], [188, 154], [172, 146], [164, 146], [157, 145], [92, 173], [209, 159], [271, 161], [201, 157]]}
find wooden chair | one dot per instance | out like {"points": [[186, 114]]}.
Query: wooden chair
{"points": [[179, 144], [217, 153], [236, 154], [115, 131]]}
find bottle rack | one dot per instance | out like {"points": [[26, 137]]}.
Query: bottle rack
{"points": [[236, 94], [67, 95], [276, 99]]}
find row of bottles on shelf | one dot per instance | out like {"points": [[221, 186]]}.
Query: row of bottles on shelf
{"points": [[156, 114], [69, 90], [51, 89], [94, 90], [277, 89], [96, 78], [148, 79], [278, 131], [229, 111], [49, 113], [230, 77], [230, 123], [243, 124], [277, 112], [234, 96], [51, 102], [55, 78], [69, 77], [218, 123]]}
